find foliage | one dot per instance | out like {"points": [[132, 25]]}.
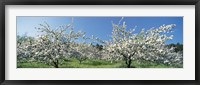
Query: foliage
{"points": [[178, 47]]}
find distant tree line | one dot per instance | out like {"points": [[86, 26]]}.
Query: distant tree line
{"points": [[177, 47]]}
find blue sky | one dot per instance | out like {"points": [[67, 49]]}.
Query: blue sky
{"points": [[100, 27]]}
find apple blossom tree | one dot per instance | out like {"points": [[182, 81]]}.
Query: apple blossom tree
{"points": [[147, 45], [54, 45], [24, 49], [83, 51]]}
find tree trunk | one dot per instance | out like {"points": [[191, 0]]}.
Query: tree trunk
{"points": [[56, 64], [128, 60], [128, 63]]}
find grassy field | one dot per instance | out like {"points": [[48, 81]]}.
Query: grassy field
{"points": [[73, 63]]}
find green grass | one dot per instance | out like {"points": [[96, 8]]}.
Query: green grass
{"points": [[33, 65], [73, 63]]}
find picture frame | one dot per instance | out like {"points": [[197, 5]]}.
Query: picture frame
{"points": [[98, 82]]}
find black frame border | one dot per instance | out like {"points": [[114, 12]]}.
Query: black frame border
{"points": [[3, 3]]}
